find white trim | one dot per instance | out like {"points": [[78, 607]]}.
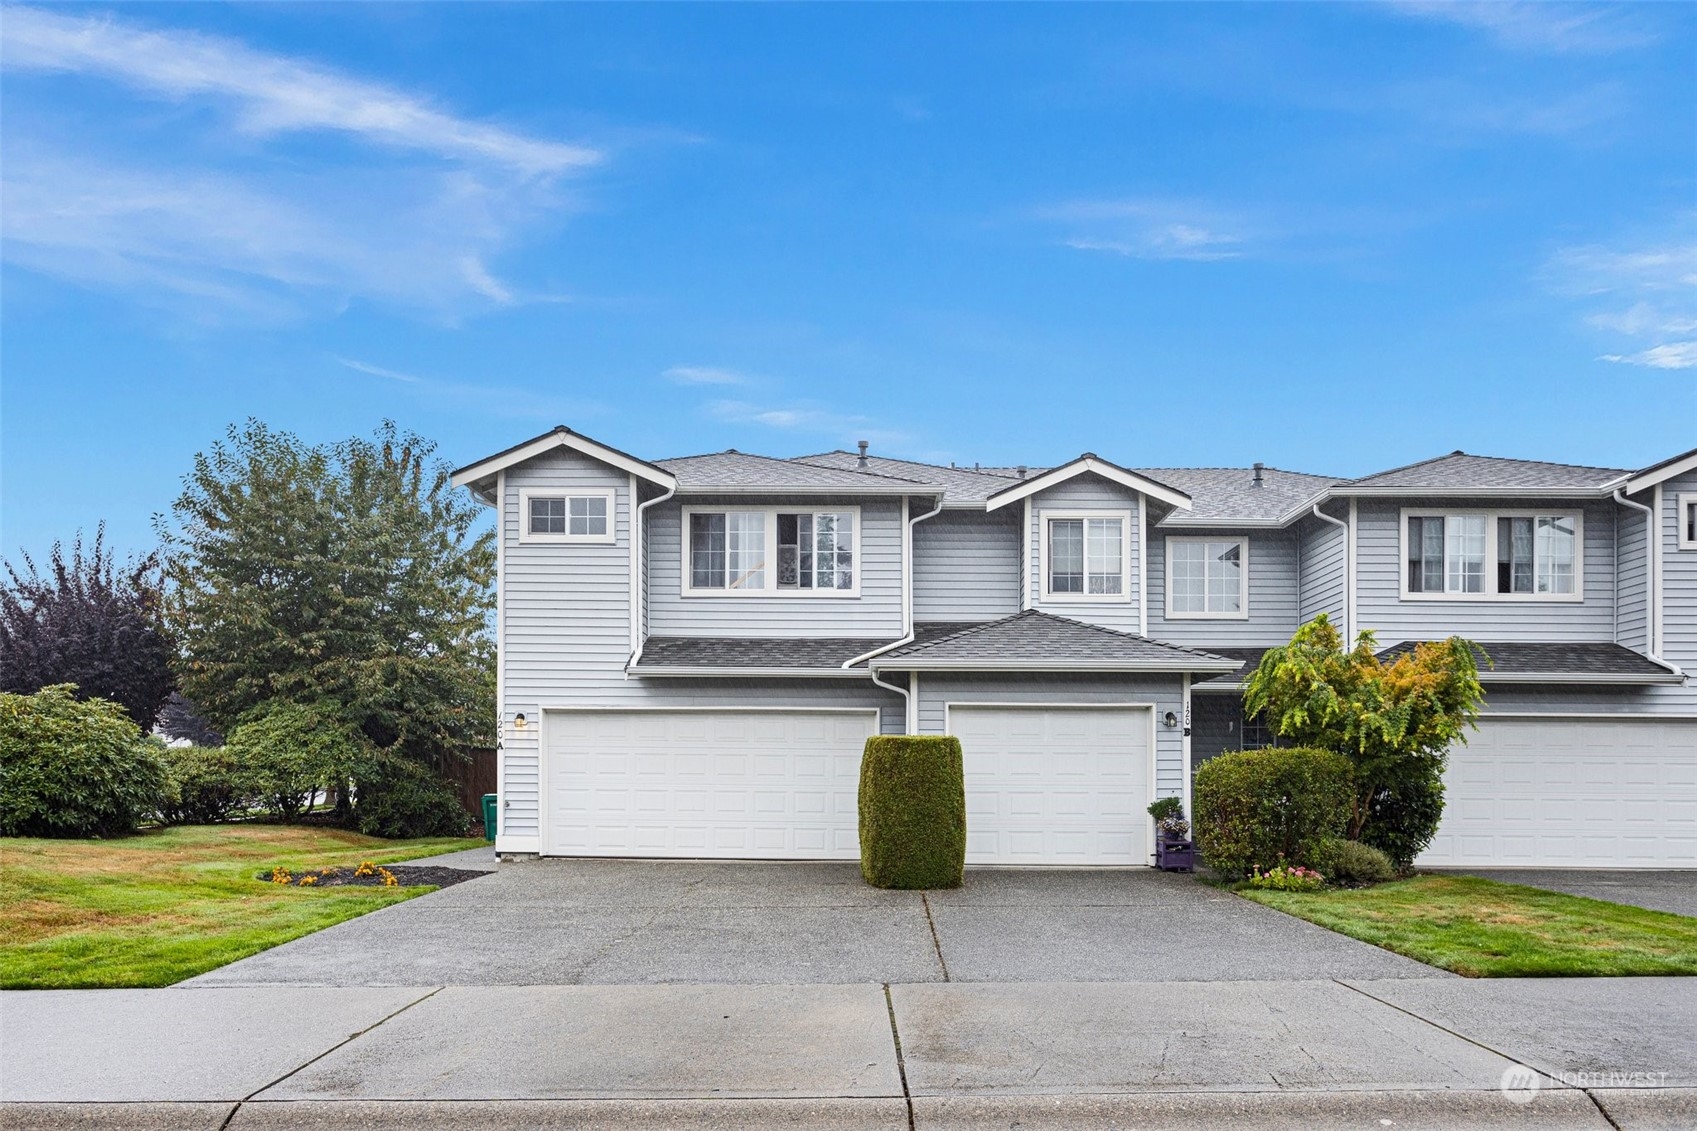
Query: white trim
{"points": [[634, 601], [1184, 731], [1242, 541], [1025, 562], [1154, 762], [1658, 612], [907, 700], [1489, 576], [527, 537], [639, 536], [672, 708], [562, 438], [1046, 517], [1352, 562], [1348, 537], [1660, 475], [907, 584], [1142, 567], [1683, 501], [1636, 716], [500, 658], [770, 530], [675, 671], [912, 720], [1096, 465], [1670, 677], [1157, 667]]}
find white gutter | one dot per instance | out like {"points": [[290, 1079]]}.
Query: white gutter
{"points": [[907, 588], [639, 599], [1348, 570], [1653, 577]]}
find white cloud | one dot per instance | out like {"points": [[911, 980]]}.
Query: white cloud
{"points": [[1558, 28], [213, 225], [274, 94], [804, 418], [1669, 355], [704, 375], [502, 401], [1147, 229]]}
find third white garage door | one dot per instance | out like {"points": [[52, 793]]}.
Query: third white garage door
{"points": [[1573, 793], [1055, 785]]}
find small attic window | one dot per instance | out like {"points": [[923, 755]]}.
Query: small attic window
{"points": [[548, 517]]}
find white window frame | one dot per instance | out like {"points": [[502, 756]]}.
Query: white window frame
{"points": [[568, 494], [1124, 596], [1491, 516], [1243, 580], [770, 530], [1686, 502]]}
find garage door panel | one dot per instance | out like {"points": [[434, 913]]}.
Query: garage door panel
{"points": [[1567, 792], [771, 784]]}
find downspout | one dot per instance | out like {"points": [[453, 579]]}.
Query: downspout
{"points": [[1652, 591], [907, 611], [1348, 567], [640, 604]]}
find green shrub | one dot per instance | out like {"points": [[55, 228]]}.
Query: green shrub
{"points": [[1292, 878], [395, 797], [74, 768], [1165, 807], [1265, 808], [1351, 862], [912, 812], [204, 785], [286, 752], [1403, 816]]}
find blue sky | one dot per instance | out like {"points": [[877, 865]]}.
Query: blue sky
{"points": [[1330, 238]]}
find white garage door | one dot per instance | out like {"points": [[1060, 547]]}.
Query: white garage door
{"points": [[1055, 785], [1585, 793], [735, 784]]}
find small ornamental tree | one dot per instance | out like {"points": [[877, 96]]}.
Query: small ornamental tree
{"points": [[91, 622], [1395, 721]]}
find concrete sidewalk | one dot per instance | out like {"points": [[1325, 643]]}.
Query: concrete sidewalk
{"points": [[1418, 1052]]}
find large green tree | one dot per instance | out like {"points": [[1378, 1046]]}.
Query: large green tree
{"points": [[1395, 721], [350, 577]]}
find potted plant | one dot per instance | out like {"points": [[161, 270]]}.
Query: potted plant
{"points": [[1174, 850]]}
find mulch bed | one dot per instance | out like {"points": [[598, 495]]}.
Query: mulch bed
{"points": [[408, 875]]}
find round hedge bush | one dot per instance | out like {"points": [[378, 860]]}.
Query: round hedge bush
{"points": [[1263, 808], [395, 797], [204, 785], [74, 767], [1351, 862], [912, 812]]}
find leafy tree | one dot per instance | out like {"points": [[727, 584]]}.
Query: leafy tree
{"points": [[347, 577], [1395, 721], [180, 718], [91, 622], [286, 752]]}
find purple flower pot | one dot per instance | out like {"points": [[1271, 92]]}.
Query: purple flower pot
{"points": [[1175, 855]]}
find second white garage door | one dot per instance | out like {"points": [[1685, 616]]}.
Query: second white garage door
{"points": [[1574, 793], [775, 784], [1055, 785]]}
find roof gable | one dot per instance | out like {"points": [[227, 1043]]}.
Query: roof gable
{"points": [[561, 437], [1035, 641], [1662, 472], [1088, 463]]}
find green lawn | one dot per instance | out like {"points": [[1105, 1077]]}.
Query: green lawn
{"points": [[1484, 929], [155, 908]]}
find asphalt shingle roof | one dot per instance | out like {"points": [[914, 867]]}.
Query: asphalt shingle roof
{"points": [[736, 470], [1518, 661], [1461, 470], [1041, 639], [810, 653], [1223, 495], [962, 484], [1251, 658]]}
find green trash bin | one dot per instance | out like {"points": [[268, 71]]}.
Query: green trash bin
{"points": [[489, 815]]}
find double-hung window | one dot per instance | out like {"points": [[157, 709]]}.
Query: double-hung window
{"points": [[1688, 522], [1476, 554], [771, 551], [1087, 557], [1208, 578], [546, 516]]}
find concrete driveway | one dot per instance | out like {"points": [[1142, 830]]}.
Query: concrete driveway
{"points": [[1669, 889], [587, 922]]}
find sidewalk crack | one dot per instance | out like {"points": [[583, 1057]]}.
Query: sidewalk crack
{"points": [[901, 1064], [936, 943], [314, 1060], [1462, 1037]]}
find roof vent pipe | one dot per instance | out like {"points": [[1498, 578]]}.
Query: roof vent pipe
{"points": [[862, 462], [1021, 470], [1259, 468]]}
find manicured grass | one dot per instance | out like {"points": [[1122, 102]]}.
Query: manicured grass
{"points": [[155, 908], [1484, 929]]}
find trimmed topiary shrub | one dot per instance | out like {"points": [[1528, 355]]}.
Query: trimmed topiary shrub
{"points": [[396, 797], [287, 752], [74, 768], [1351, 862], [1267, 808], [1403, 816], [912, 812], [204, 785]]}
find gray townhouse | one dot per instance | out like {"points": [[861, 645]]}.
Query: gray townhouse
{"points": [[693, 651]]}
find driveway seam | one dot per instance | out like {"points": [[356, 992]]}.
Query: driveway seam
{"points": [[901, 1065], [936, 943]]}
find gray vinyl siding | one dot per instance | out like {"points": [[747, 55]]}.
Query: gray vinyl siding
{"points": [[1087, 492], [876, 614], [966, 565], [1679, 579], [1272, 592], [1632, 573], [1322, 552], [1379, 569], [1166, 692]]}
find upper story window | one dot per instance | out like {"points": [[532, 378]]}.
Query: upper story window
{"points": [[1208, 578], [1688, 522], [1086, 556], [1484, 554], [771, 551], [557, 517]]}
